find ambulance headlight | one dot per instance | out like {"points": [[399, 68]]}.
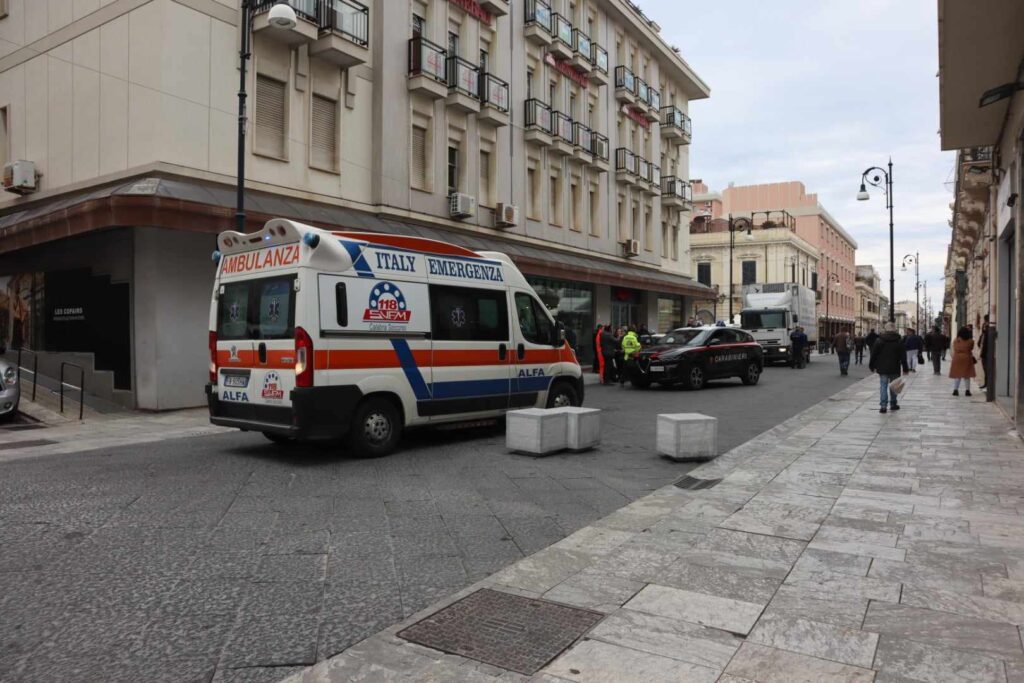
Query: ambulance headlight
{"points": [[311, 240]]}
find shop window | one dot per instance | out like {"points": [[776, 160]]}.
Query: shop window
{"points": [[271, 117], [704, 274], [749, 272], [324, 134], [420, 158], [465, 314]]}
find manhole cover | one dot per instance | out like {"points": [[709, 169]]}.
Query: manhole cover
{"points": [[512, 632], [695, 484]]}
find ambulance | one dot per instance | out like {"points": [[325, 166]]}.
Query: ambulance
{"points": [[318, 335]]}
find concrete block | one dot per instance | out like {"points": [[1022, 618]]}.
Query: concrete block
{"points": [[536, 431], [584, 427], [688, 436]]}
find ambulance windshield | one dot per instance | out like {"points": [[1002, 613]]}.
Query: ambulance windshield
{"points": [[257, 309]]}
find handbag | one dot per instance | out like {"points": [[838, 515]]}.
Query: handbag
{"points": [[920, 357], [897, 385]]}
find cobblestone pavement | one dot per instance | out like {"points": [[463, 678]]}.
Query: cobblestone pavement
{"points": [[843, 545], [225, 557]]}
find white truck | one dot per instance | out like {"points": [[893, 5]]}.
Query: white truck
{"points": [[771, 312]]}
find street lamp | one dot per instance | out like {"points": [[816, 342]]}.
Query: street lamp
{"points": [[737, 225], [874, 176], [832, 277], [281, 17], [915, 258]]}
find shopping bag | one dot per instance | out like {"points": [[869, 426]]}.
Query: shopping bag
{"points": [[920, 357], [897, 385]]}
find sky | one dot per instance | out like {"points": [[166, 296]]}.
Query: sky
{"points": [[818, 91]]}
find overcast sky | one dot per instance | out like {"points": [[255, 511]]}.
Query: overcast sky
{"points": [[818, 92]]}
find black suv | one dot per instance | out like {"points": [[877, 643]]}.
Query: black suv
{"points": [[693, 355]]}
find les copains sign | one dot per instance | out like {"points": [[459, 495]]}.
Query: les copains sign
{"points": [[474, 9], [567, 70]]}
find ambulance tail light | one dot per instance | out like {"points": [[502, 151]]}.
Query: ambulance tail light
{"points": [[213, 357], [303, 358]]}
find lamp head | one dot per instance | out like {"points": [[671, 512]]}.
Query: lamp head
{"points": [[863, 195], [1000, 92], [282, 16]]}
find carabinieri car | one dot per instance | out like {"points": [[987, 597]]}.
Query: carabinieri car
{"points": [[693, 355]]}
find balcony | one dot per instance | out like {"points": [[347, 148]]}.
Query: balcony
{"points": [[676, 193], [675, 126], [538, 22], [625, 85], [653, 112], [427, 70], [599, 58], [537, 123], [494, 101], [463, 85], [654, 178], [561, 46], [599, 150], [306, 29], [626, 167], [643, 94], [643, 172], [562, 134], [344, 34], [582, 49], [497, 8], [583, 140]]}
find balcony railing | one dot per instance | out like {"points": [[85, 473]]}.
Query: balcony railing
{"points": [[563, 29], [583, 137], [494, 91], [676, 187], [538, 115], [625, 160], [599, 57], [599, 145], [464, 77], [427, 59], [539, 12], [654, 99], [306, 9], [563, 126], [624, 78], [655, 175], [642, 90], [349, 18], [581, 44], [673, 116], [643, 168]]}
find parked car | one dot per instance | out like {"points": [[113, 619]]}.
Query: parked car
{"points": [[693, 355], [10, 390]]}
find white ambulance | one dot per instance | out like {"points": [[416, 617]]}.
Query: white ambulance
{"points": [[317, 334]]}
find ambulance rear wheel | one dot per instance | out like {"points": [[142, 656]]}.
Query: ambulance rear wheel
{"points": [[376, 429], [563, 395]]}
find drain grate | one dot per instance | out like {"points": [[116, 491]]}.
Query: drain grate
{"points": [[509, 631], [25, 444], [694, 484]]}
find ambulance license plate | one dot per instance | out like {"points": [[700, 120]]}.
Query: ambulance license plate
{"points": [[236, 381], [657, 368]]}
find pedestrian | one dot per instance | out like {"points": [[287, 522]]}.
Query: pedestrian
{"points": [[797, 347], [935, 343], [983, 350], [598, 357], [962, 367], [608, 344], [630, 348], [869, 341], [841, 344], [888, 359], [858, 349], [620, 361], [914, 346]]}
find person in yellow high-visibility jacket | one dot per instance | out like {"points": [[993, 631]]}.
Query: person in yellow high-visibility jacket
{"points": [[630, 348]]}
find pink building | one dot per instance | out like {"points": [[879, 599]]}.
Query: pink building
{"points": [[837, 250]]}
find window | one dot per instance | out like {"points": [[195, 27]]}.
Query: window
{"points": [[675, 242], [555, 198], [271, 116], [553, 94], [595, 211], [529, 83], [533, 203], [749, 272], [453, 169], [648, 229], [622, 220], [257, 309], [485, 178], [534, 322], [464, 314], [453, 44], [419, 26], [419, 158], [574, 197], [572, 107], [5, 138], [704, 274], [324, 134], [664, 239], [485, 61]]}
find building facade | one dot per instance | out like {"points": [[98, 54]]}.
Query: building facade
{"points": [[557, 133], [869, 300]]}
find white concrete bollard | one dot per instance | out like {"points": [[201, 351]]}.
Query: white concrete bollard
{"points": [[584, 427], [688, 436], [536, 431]]}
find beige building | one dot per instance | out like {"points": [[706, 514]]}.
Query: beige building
{"points": [[558, 134], [869, 300]]}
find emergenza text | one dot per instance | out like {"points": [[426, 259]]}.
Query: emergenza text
{"points": [[461, 269]]}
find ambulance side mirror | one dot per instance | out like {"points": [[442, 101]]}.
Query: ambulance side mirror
{"points": [[559, 334]]}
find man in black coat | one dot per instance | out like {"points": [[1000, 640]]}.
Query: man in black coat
{"points": [[871, 339], [889, 360], [609, 345]]}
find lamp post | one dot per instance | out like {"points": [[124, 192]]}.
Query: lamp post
{"points": [[915, 258], [874, 176], [281, 16], [832, 277], [735, 226]]}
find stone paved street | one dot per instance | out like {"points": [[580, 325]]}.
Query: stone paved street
{"points": [[843, 545], [182, 559]]}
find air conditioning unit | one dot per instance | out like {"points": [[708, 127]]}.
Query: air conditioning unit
{"points": [[631, 248], [461, 205], [20, 177], [506, 215]]}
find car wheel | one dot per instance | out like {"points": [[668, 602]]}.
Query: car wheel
{"points": [[279, 439], [376, 429], [694, 378], [752, 375], [563, 395]]}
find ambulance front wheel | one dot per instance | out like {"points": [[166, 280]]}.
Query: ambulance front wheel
{"points": [[376, 428], [563, 395]]}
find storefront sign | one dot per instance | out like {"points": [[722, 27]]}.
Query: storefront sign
{"points": [[635, 116], [473, 9], [62, 314], [567, 70]]}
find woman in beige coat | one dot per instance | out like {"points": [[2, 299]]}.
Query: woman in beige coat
{"points": [[962, 367]]}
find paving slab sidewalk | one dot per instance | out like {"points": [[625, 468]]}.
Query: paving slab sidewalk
{"points": [[842, 545]]}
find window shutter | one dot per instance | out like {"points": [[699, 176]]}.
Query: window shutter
{"points": [[324, 133], [419, 157], [270, 116]]}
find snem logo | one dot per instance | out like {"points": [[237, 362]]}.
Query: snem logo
{"points": [[387, 305], [261, 259]]}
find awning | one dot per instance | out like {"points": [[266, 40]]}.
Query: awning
{"points": [[187, 204]]}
